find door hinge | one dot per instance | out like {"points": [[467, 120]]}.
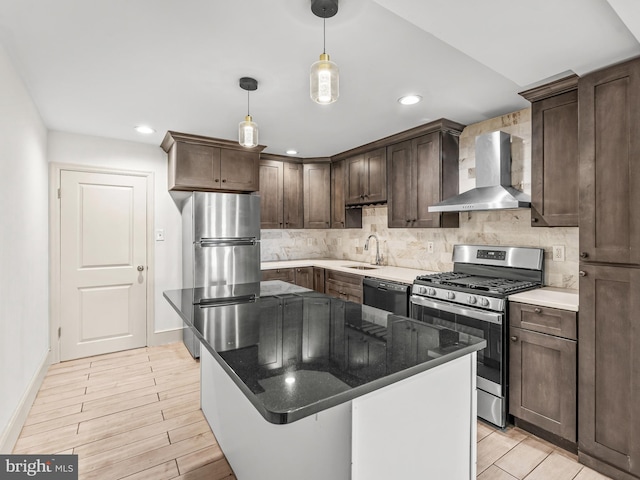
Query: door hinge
{"points": [[59, 331], [59, 193]]}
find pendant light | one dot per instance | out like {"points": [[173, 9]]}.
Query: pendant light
{"points": [[248, 129], [324, 80]]}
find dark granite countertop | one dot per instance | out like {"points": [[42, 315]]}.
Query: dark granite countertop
{"points": [[295, 352]]}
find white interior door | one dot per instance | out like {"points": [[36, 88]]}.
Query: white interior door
{"points": [[103, 269]]}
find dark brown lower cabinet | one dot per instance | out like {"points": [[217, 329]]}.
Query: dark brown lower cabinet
{"points": [[609, 372], [343, 285], [318, 279], [543, 368], [284, 274], [302, 276]]}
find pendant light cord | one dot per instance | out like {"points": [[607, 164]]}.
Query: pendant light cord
{"points": [[324, 35], [248, 103]]}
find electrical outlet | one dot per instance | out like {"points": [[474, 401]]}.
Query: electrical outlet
{"points": [[558, 253], [159, 235], [429, 247]]}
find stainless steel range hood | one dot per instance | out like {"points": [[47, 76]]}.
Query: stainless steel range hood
{"points": [[493, 179]]}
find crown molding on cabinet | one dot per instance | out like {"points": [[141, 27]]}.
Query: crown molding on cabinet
{"points": [[556, 87], [441, 125]]}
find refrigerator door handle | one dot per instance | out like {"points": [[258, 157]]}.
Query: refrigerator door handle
{"points": [[226, 242]]}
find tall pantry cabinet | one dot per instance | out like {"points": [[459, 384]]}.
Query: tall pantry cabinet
{"points": [[609, 321]]}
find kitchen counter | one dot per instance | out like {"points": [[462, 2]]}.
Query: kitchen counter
{"points": [[316, 333], [294, 377], [553, 297], [385, 272]]}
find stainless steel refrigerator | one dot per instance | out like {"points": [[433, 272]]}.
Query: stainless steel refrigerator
{"points": [[220, 244]]}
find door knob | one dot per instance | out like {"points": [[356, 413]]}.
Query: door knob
{"points": [[514, 339], [582, 273], [140, 268]]}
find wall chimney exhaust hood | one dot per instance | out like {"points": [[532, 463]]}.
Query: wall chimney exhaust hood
{"points": [[493, 179]]}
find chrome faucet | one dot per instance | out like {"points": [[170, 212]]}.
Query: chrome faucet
{"points": [[366, 247]]}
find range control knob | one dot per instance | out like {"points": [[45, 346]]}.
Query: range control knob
{"points": [[472, 300], [431, 292], [484, 302], [451, 295], [422, 289]]}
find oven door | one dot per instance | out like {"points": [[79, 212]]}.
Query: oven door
{"points": [[475, 322]]}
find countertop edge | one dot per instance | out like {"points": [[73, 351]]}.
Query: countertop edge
{"points": [[552, 297]]}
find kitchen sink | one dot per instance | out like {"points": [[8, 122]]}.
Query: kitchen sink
{"points": [[360, 267]]}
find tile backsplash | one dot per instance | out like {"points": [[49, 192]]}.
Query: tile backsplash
{"points": [[407, 247]]}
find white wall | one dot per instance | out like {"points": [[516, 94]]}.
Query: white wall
{"points": [[24, 259], [83, 150]]}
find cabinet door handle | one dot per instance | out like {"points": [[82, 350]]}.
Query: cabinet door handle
{"points": [[217, 180], [224, 180], [582, 273], [534, 219], [537, 310], [514, 338], [584, 254]]}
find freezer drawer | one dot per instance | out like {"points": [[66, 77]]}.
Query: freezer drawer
{"points": [[225, 264]]}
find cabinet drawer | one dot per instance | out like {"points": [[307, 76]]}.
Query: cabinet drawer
{"points": [[552, 321], [284, 274], [343, 291], [348, 278]]}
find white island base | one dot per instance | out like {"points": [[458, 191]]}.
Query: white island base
{"points": [[419, 428]]}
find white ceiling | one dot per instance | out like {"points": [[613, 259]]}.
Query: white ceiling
{"points": [[100, 67]]}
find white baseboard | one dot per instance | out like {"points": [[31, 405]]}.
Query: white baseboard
{"points": [[165, 336], [14, 427]]}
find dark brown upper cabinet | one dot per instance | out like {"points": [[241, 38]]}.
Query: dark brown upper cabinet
{"points": [[422, 172], [210, 164], [317, 192], [367, 178], [281, 193], [610, 164], [554, 153], [341, 216], [337, 194]]}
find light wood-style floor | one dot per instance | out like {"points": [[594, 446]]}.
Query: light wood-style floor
{"points": [[136, 415]]}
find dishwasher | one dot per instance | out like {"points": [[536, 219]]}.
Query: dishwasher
{"points": [[385, 295]]}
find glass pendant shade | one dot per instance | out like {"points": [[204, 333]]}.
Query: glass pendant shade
{"points": [[248, 132], [324, 81]]}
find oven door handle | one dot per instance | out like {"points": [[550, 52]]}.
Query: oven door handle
{"points": [[491, 317]]}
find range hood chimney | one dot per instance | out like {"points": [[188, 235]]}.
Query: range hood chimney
{"points": [[493, 179]]}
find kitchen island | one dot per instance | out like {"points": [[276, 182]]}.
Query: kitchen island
{"points": [[296, 384]]}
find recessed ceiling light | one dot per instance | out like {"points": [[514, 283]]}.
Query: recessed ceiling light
{"points": [[291, 151], [409, 99], [144, 129]]}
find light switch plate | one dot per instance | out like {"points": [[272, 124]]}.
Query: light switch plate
{"points": [[160, 235], [429, 247]]}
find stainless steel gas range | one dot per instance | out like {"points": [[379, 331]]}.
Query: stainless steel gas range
{"points": [[472, 299]]}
